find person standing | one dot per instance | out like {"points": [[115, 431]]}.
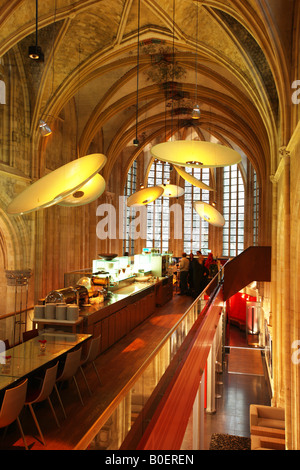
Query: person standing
{"points": [[184, 271], [200, 273], [190, 275]]}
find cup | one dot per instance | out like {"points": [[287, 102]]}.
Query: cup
{"points": [[50, 310], [39, 311], [72, 312], [61, 312]]}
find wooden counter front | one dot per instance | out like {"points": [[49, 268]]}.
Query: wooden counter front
{"points": [[123, 311]]}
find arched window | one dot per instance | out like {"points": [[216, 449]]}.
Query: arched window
{"points": [[233, 211], [255, 208], [196, 230], [158, 212], [130, 188]]}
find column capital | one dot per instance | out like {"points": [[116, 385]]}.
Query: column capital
{"points": [[283, 152]]}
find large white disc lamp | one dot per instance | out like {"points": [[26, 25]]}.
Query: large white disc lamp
{"points": [[57, 185], [144, 196], [195, 153], [172, 190], [191, 179], [209, 213], [87, 193]]}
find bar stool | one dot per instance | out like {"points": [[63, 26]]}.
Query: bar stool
{"points": [[69, 371], [41, 393], [93, 352], [12, 405]]}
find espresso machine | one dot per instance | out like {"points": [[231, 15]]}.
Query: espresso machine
{"points": [[100, 283]]}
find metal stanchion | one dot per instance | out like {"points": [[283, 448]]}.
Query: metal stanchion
{"points": [[218, 382]]}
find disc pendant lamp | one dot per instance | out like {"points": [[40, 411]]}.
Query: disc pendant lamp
{"points": [[195, 153], [172, 190], [191, 179], [144, 196], [209, 213], [87, 193], [57, 185]]}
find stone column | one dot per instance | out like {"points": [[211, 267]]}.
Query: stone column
{"points": [[287, 321], [281, 312]]}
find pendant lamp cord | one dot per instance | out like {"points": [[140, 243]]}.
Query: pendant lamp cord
{"points": [[173, 71], [197, 25], [36, 22], [137, 72]]}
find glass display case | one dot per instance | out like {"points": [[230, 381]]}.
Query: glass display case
{"points": [[119, 268], [154, 263], [124, 267]]}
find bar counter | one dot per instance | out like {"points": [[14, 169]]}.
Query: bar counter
{"points": [[126, 308]]}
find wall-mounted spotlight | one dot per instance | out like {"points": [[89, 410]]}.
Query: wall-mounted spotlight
{"points": [[44, 128]]}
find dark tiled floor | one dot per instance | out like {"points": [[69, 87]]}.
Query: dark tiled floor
{"points": [[237, 393]]}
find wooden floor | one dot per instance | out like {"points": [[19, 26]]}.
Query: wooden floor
{"points": [[245, 361], [238, 387], [116, 366]]}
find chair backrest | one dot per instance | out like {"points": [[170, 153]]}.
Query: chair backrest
{"points": [[30, 334], [94, 349], [13, 402], [48, 383], [71, 365]]}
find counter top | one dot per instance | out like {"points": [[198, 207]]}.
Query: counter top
{"points": [[120, 298]]}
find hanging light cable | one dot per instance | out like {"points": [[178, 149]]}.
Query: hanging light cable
{"points": [[173, 71], [136, 140], [35, 52], [94, 187], [44, 127], [196, 110]]}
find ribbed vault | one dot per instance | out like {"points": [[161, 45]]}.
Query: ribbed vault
{"points": [[91, 67]]}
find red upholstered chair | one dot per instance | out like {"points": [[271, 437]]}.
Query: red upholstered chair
{"points": [[30, 334]]}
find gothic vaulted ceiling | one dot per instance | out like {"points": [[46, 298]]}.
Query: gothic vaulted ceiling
{"points": [[238, 52]]}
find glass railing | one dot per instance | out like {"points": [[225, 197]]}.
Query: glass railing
{"points": [[111, 429], [12, 325]]}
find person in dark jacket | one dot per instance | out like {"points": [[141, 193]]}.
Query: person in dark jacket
{"points": [[190, 276], [200, 275]]}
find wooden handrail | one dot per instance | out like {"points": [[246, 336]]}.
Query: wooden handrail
{"points": [[167, 427], [12, 314]]}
